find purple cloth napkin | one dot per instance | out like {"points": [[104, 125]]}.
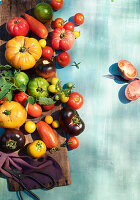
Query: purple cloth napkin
{"points": [[28, 165]]}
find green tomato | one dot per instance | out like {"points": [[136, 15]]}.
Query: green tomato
{"points": [[21, 78], [57, 97], [69, 85], [38, 87]]}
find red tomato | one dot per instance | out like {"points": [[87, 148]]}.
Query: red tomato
{"points": [[73, 142], [48, 107], [3, 100], [62, 39], [56, 4], [20, 97], [34, 110], [47, 52], [58, 23], [132, 91], [63, 59], [17, 26], [78, 18], [75, 101], [47, 134], [127, 70], [69, 26]]}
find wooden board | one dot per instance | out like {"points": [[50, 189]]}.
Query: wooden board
{"points": [[9, 9]]}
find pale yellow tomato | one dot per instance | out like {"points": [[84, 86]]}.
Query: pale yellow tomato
{"points": [[30, 127], [76, 33], [42, 43]]}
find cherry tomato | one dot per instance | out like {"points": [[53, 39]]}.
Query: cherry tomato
{"points": [[47, 52], [54, 81], [34, 110], [56, 4], [30, 127], [63, 59], [78, 18], [127, 70], [55, 124], [42, 43], [73, 142], [132, 91], [64, 98], [75, 101], [20, 97], [76, 33], [3, 100], [48, 107], [69, 26], [58, 23], [69, 85], [52, 89], [48, 119]]}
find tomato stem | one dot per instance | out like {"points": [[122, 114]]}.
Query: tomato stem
{"points": [[7, 112], [39, 146], [75, 120], [22, 49], [62, 35], [16, 22], [11, 144]]}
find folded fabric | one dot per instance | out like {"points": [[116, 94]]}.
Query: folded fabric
{"points": [[30, 166]]}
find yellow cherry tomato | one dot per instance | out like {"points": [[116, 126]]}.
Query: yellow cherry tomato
{"points": [[55, 124], [54, 81], [42, 43], [30, 127], [48, 119], [64, 99], [52, 89], [76, 34], [36, 149]]}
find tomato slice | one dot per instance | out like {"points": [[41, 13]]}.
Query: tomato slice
{"points": [[132, 91], [127, 70]]}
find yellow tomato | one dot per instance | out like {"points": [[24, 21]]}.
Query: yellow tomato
{"points": [[64, 99], [55, 124], [30, 127], [76, 34], [48, 119], [36, 149], [52, 89], [42, 43], [54, 81]]}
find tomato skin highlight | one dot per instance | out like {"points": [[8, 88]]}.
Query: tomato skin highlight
{"points": [[127, 70], [132, 91], [47, 134], [73, 142], [78, 18], [57, 4], [63, 59], [36, 26], [34, 110], [75, 101], [69, 26]]}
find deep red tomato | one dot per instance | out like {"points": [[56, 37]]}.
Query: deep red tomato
{"points": [[73, 142], [63, 59], [48, 107], [127, 70], [75, 101], [47, 52], [78, 18], [58, 23], [34, 110], [56, 4], [20, 97], [62, 39], [69, 26], [132, 91], [17, 26]]}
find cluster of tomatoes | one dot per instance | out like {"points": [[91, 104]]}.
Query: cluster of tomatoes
{"points": [[24, 53]]}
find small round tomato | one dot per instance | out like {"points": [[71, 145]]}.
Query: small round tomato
{"points": [[55, 124], [21, 98], [56, 4], [36, 149], [69, 85], [78, 18], [52, 89], [48, 107], [132, 91], [42, 43], [58, 23], [63, 59], [64, 98], [54, 81], [34, 110], [75, 101], [69, 26], [49, 119], [30, 127], [21, 78], [57, 97], [47, 52], [76, 33], [127, 70], [73, 142]]}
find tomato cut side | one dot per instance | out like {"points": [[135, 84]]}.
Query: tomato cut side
{"points": [[132, 91]]}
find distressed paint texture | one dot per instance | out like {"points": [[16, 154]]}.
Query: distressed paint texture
{"points": [[106, 166]]}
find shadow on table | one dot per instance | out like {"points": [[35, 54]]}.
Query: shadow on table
{"points": [[121, 95], [113, 69]]}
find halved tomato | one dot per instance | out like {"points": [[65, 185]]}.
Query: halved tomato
{"points": [[127, 70], [132, 91]]}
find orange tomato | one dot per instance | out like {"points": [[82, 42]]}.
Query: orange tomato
{"points": [[12, 115], [36, 149], [23, 52]]}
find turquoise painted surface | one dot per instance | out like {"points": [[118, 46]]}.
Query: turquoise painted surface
{"points": [[106, 166]]}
